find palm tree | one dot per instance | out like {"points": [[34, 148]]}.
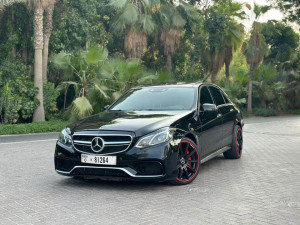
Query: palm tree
{"points": [[47, 32], [38, 7], [224, 36], [255, 50], [172, 17], [121, 74], [135, 18], [83, 71], [233, 40]]}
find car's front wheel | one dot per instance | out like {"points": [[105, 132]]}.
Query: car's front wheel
{"points": [[188, 162], [237, 144]]}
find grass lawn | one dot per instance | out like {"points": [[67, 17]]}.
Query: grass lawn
{"points": [[27, 128]]}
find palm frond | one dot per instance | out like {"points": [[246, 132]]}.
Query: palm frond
{"points": [[127, 17], [101, 90], [6, 3], [110, 68], [177, 20], [147, 24], [96, 54], [82, 107], [61, 60], [118, 4]]}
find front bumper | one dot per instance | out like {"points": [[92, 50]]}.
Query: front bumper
{"points": [[153, 163]]}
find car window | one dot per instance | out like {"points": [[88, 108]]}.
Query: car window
{"points": [[205, 97], [225, 98], [217, 96], [160, 98]]}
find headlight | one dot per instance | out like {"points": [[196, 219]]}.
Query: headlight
{"points": [[65, 137], [154, 138]]}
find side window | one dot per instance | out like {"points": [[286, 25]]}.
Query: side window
{"points": [[217, 96], [225, 98], [205, 97]]}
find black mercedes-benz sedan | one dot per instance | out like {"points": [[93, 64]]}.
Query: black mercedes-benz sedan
{"points": [[158, 133]]}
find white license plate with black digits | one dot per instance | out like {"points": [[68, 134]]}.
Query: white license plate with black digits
{"points": [[99, 159]]}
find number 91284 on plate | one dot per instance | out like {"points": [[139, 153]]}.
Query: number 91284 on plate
{"points": [[99, 160]]}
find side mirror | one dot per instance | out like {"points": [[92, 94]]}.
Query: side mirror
{"points": [[209, 107], [105, 107]]}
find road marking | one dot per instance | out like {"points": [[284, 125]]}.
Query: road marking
{"points": [[20, 142]]}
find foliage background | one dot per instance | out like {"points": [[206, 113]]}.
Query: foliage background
{"points": [[81, 80]]}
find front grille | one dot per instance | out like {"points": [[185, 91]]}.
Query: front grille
{"points": [[113, 142]]}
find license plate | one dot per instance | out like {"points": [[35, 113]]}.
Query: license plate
{"points": [[99, 159]]}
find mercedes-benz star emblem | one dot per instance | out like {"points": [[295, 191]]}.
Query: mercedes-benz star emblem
{"points": [[97, 144]]}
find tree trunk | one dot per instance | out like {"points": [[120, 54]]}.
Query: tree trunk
{"points": [[227, 73], [169, 63], [47, 34], [214, 77], [45, 59], [263, 101], [25, 54], [249, 107], [39, 114], [65, 96], [13, 51]]}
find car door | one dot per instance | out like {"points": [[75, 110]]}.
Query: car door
{"points": [[228, 115], [220, 103], [210, 123]]}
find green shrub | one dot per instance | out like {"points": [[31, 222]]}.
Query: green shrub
{"points": [[265, 112], [293, 111], [50, 96], [42, 127], [17, 92]]}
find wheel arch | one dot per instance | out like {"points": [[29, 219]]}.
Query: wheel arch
{"points": [[193, 138]]}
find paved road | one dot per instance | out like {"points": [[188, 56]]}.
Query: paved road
{"points": [[263, 187]]}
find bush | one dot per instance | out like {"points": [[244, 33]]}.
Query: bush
{"points": [[50, 96], [17, 92], [42, 127], [265, 112], [293, 111]]}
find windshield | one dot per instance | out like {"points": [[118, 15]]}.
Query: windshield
{"points": [[157, 99]]}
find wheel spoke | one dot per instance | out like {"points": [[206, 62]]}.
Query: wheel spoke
{"points": [[186, 149], [180, 172], [193, 161], [191, 168], [191, 153], [186, 173]]}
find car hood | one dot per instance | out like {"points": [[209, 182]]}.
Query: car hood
{"points": [[139, 122]]}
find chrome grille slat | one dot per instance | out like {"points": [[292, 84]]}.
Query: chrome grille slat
{"points": [[113, 142], [82, 142]]}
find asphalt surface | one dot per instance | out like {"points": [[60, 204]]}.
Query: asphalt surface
{"points": [[263, 187]]}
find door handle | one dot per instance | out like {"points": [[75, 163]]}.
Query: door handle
{"points": [[219, 115]]}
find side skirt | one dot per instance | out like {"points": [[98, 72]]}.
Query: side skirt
{"points": [[214, 154]]}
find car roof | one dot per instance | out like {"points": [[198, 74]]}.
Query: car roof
{"points": [[178, 84]]}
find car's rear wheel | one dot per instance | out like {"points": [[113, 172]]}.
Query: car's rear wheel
{"points": [[188, 162], [237, 144]]}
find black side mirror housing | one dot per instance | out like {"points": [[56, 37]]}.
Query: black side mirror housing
{"points": [[105, 107], [209, 107]]}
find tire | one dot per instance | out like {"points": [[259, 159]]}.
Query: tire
{"points": [[188, 162], [237, 144]]}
